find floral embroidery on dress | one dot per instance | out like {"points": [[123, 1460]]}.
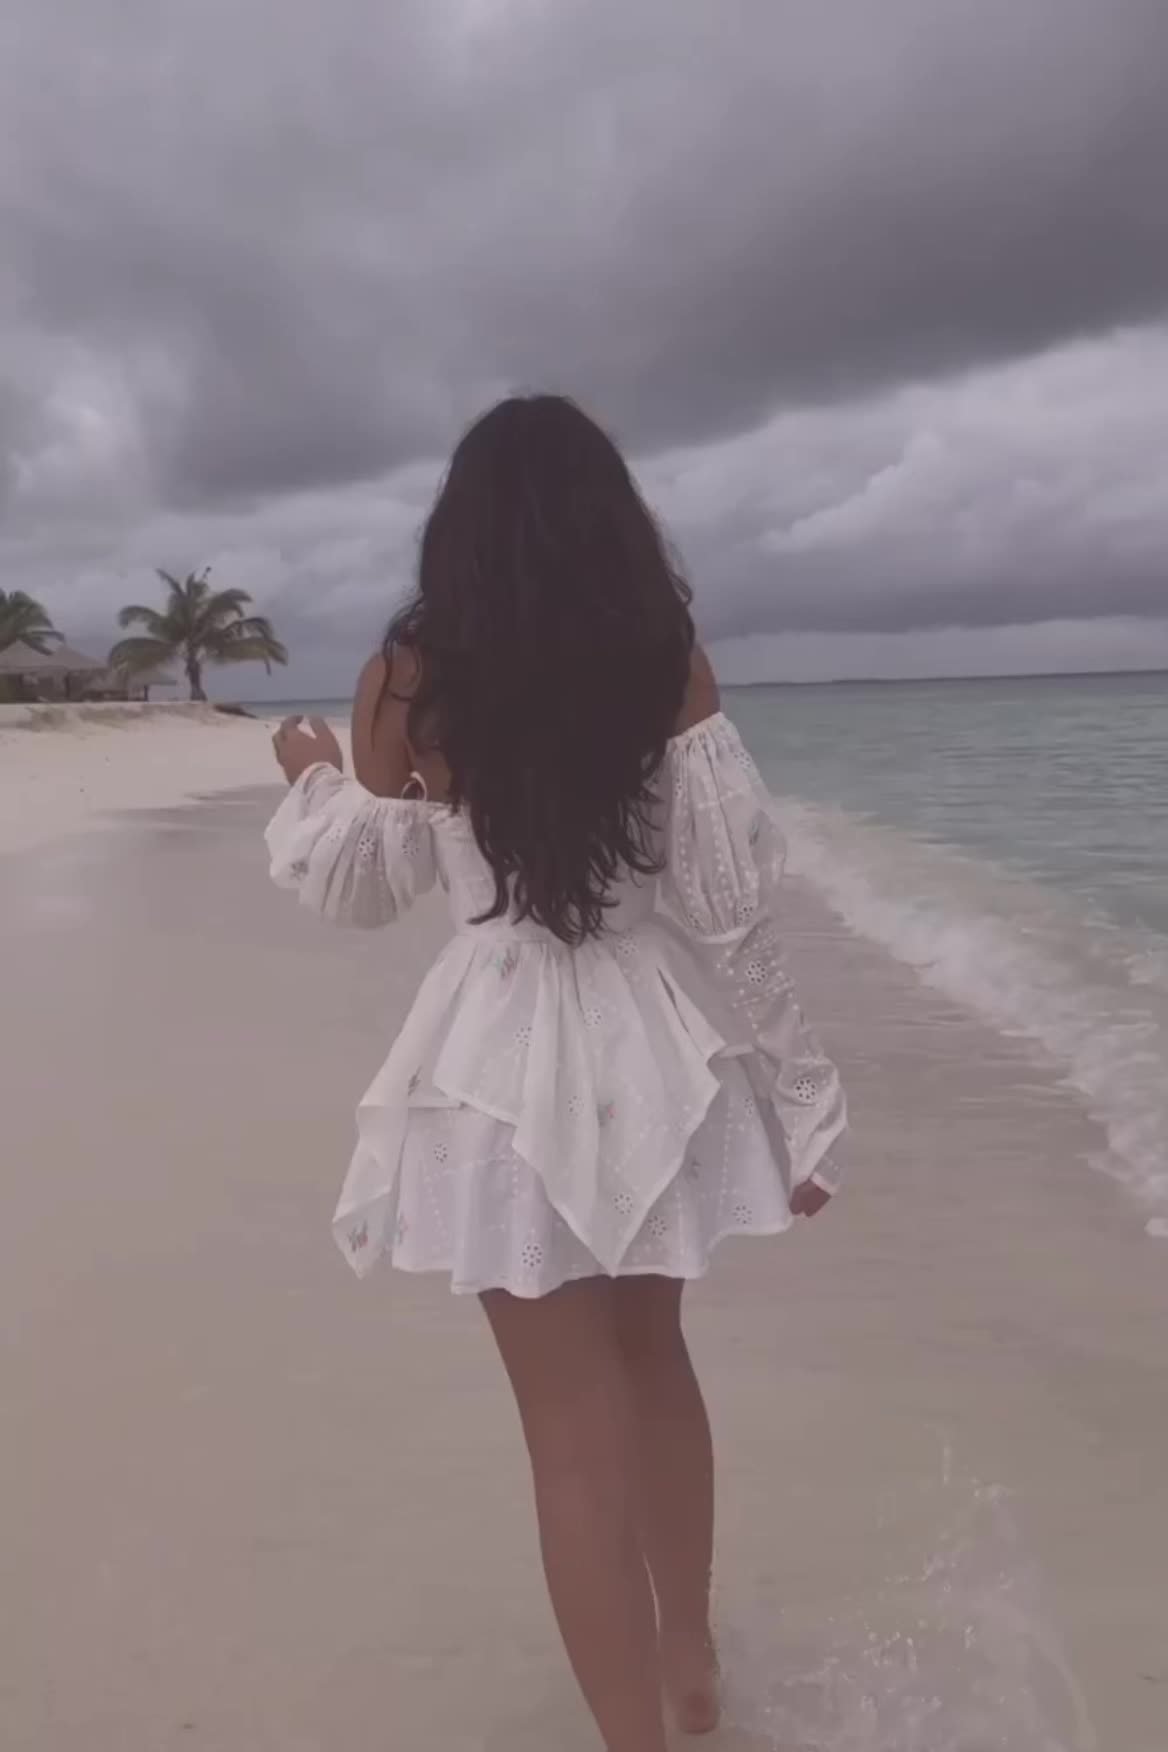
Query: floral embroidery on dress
{"points": [[520, 1172]]}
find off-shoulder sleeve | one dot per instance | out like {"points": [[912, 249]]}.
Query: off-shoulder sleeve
{"points": [[724, 859], [349, 856], [725, 851]]}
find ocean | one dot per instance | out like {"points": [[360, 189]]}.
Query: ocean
{"points": [[1008, 839]]}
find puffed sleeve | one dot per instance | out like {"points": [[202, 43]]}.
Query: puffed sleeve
{"points": [[349, 856], [724, 859]]}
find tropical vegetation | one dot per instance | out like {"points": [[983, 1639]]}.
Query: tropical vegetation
{"points": [[195, 626], [23, 621]]}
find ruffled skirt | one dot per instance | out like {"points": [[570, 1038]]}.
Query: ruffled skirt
{"points": [[467, 1205], [548, 1114]]}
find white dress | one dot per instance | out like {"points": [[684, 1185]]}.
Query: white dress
{"points": [[548, 1112]]}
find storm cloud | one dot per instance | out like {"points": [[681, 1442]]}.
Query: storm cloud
{"points": [[875, 294]]}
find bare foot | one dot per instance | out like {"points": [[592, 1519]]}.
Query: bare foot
{"points": [[689, 1671]]}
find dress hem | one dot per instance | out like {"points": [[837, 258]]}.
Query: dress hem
{"points": [[527, 1293]]}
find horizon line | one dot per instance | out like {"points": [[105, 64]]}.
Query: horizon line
{"points": [[840, 681]]}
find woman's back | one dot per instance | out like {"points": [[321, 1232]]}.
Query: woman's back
{"points": [[541, 667], [387, 766]]}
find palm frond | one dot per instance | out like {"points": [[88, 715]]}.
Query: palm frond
{"points": [[192, 585], [24, 620], [265, 651], [229, 601], [20, 602], [219, 609], [136, 614], [135, 655], [251, 626], [41, 640]]}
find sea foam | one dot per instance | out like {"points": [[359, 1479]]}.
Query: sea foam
{"points": [[1025, 958]]}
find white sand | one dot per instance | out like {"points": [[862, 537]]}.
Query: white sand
{"points": [[67, 768], [249, 1504]]}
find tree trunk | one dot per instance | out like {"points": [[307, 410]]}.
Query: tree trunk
{"points": [[195, 677]]}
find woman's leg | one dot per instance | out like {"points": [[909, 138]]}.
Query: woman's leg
{"points": [[676, 1471], [568, 1370]]}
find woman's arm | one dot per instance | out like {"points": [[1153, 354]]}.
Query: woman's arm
{"points": [[299, 750], [702, 699], [381, 756], [350, 856]]}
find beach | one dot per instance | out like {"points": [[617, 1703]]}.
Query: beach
{"points": [[70, 769], [250, 1504]]}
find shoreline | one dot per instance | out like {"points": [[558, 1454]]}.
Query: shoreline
{"points": [[937, 1407]]}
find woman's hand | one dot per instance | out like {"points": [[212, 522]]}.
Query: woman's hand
{"points": [[298, 749], [808, 1199]]}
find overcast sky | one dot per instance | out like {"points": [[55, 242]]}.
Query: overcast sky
{"points": [[874, 291]]}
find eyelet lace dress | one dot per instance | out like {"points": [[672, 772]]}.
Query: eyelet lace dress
{"points": [[547, 1112]]}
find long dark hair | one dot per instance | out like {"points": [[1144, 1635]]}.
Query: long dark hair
{"points": [[551, 637]]}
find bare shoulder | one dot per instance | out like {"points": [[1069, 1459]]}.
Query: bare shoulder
{"points": [[395, 677], [702, 699], [381, 760]]}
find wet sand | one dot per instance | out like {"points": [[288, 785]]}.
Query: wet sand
{"points": [[250, 1504]]}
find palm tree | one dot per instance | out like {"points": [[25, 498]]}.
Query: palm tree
{"points": [[23, 621], [196, 625]]}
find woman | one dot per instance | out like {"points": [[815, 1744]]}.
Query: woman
{"points": [[605, 1072]]}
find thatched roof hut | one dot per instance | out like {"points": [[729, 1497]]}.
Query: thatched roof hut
{"points": [[59, 664], [59, 674], [66, 673]]}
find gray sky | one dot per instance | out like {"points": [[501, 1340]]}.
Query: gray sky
{"points": [[874, 291]]}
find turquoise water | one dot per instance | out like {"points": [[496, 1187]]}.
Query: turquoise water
{"points": [[1062, 780], [1009, 840]]}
